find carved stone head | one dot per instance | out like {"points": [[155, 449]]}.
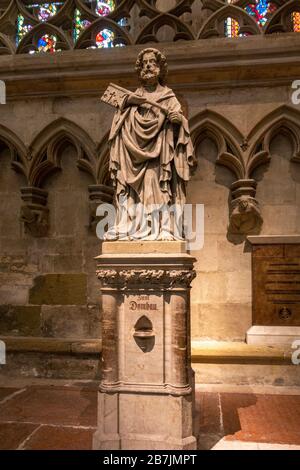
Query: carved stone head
{"points": [[152, 67]]}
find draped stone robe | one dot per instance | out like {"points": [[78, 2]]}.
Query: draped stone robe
{"points": [[150, 158]]}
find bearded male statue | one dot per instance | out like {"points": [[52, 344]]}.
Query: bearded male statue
{"points": [[151, 153]]}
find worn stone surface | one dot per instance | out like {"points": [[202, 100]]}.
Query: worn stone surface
{"points": [[60, 438], [247, 374], [76, 322], [57, 365], [14, 434], [20, 320], [59, 289], [221, 294]]}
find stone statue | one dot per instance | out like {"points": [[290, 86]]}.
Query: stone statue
{"points": [[151, 153]]}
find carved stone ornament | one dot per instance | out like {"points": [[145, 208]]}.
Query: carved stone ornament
{"points": [[34, 213], [245, 215], [140, 277]]}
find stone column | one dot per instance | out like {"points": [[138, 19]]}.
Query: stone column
{"points": [[146, 394]]}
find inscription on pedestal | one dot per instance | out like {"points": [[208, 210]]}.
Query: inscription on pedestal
{"points": [[143, 321], [276, 285]]}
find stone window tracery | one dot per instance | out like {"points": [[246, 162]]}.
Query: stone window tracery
{"points": [[38, 26]]}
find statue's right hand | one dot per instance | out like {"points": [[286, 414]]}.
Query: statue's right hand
{"points": [[135, 100]]}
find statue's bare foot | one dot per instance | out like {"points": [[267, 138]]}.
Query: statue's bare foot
{"points": [[165, 237]]}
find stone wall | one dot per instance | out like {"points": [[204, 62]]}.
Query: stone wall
{"points": [[48, 285], [222, 292]]}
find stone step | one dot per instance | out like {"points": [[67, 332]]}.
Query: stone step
{"points": [[55, 358], [214, 362], [239, 353], [236, 363]]}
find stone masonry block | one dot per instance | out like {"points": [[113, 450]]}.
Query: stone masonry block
{"points": [[59, 289], [20, 320]]}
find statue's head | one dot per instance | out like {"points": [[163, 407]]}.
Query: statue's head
{"points": [[152, 67]]}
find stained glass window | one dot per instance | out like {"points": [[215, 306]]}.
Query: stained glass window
{"points": [[231, 28], [23, 27], [44, 11], [101, 8], [296, 21], [105, 8], [105, 38], [261, 10], [80, 24], [47, 43]]}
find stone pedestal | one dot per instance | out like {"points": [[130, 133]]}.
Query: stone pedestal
{"points": [[146, 395]]}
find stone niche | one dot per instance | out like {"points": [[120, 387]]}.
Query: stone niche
{"points": [[276, 290]]}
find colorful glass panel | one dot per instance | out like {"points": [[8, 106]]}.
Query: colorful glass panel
{"points": [[105, 38], [105, 8], [44, 11], [261, 10], [47, 43], [296, 21], [231, 28], [80, 24], [23, 27]]}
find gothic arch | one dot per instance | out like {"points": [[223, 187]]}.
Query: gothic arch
{"points": [[244, 213], [88, 36], [30, 41], [122, 8], [284, 119], [61, 14], [8, 18], [46, 150], [281, 21], [18, 151], [226, 136], [214, 25], [181, 30], [6, 45]]}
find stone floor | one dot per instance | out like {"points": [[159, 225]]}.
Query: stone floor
{"points": [[53, 416]]}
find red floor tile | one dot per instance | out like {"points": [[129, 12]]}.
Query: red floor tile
{"points": [[52, 405], [240, 417], [207, 407], [5, 392], [60, 438], [13, 434], [262, 418]]}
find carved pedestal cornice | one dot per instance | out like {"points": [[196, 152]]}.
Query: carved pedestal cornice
{"points": [[164, 278]]}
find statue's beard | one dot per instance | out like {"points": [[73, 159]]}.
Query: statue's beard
{"points": [[150, 75]]}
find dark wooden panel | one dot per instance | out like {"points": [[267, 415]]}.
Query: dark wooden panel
{"points": [[276, 285]]}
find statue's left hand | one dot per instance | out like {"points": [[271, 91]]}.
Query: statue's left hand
{"points": [[175, 117]]}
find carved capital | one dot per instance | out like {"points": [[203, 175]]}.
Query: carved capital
{"points": [[146, 277], [34, 213], [99, 194], [245, 215]]}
